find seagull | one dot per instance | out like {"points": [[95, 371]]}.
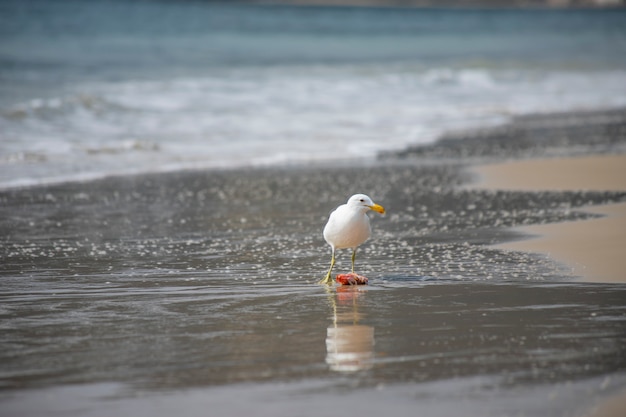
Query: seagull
{"points": [[348, 226]]}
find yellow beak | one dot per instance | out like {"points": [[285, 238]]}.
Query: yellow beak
{"points": [[378, 208]]}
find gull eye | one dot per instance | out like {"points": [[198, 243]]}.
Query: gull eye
{"points": [[362, 201]]}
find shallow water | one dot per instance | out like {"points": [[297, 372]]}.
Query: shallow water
{"points": [[130, 343], [197, 289]]}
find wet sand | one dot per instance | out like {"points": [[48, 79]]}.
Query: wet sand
{"points": [[597, 172], [595, 248], [193, 291], [613, 407]]}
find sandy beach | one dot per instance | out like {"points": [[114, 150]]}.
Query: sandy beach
{"points": [[167, 169], [197, 289], [595, 248], [594, 173]]}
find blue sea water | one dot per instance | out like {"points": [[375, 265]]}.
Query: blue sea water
{"points": [[96, 88]]}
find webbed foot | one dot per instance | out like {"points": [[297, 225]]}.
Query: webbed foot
{"points": [[327, 280]]}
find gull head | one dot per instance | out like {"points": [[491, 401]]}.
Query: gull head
{"points": [[364, 202]]}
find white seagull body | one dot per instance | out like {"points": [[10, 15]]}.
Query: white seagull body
{"points": [[349, 226]]}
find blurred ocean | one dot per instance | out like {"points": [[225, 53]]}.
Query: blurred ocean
{"points": [[95, 88]]}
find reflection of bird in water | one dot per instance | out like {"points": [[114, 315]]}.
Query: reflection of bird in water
{"points": [[348, 227], [349, 345]]}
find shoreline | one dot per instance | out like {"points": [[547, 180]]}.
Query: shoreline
{"points": [[555, 134], [593, 248], [203, 261]]}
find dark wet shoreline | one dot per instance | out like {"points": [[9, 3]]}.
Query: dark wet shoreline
{"points": [[204, 280], [534, 135]]}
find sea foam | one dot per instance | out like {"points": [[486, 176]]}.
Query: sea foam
{"points": [[277, 115]]}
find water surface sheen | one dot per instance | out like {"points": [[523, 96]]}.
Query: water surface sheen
{"points": [[198, 289], [174, 334]]}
